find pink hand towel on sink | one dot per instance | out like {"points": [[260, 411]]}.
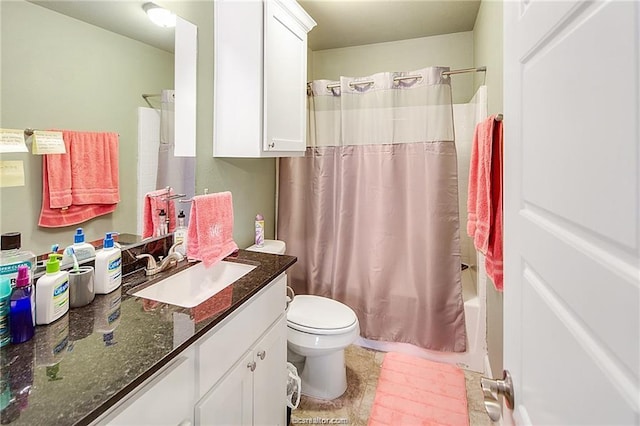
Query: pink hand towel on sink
{"points": [[210, 232]]}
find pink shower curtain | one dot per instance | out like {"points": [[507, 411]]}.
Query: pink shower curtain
{"points": [[371, 211]]}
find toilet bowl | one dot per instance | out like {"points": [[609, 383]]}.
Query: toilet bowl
{"points": [[319, 329]]}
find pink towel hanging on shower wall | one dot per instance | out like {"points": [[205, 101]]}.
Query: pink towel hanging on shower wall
{"points": [[484, 201]]}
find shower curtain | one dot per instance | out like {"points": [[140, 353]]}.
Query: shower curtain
{"points": [[176, 172], [371, 210]]}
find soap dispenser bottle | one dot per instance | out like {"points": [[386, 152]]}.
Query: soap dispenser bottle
{"points": [[52, 292], [82, 249], [108, 267], [162, 223], [180, 235]]}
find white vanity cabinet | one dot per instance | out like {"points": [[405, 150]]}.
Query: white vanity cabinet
{"points": [[233, 375], [254, 391], [165, 399], [260, 74]]}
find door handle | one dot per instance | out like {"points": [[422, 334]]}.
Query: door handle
{"points": [[262, 354], [251, 366], [491, 389]]}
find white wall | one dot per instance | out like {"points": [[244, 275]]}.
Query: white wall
{"points": [[487, 50], [452, 50], [487, 46]]}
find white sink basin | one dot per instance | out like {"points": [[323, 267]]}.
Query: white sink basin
{"points": [[196, 284]]}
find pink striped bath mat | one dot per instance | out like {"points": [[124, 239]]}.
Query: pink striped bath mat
{"points": [[415, 391]]}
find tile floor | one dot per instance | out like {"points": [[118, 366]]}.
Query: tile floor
{"points": [[352, 408]]}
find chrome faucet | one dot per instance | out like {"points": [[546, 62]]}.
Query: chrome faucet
{"points": [[171, 260]]}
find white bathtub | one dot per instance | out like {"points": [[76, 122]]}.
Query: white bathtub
{"points": [[475, 319]]}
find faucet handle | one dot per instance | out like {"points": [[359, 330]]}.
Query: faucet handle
{"points": [[173, 250], [151, 262]]}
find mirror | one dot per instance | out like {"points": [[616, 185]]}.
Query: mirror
{"points": [[60, 72]]}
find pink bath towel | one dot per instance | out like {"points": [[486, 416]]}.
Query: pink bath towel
{"points": [[479, 197], [484, 203], [56, 170], [67, 216], [154, 202], [94, 167], [83, 183], [210, 232], [494, 256]]}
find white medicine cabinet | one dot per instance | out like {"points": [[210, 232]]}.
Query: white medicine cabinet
{"points": [[260, 74]]}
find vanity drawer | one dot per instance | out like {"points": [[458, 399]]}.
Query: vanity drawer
{"points": [[226, 343]]}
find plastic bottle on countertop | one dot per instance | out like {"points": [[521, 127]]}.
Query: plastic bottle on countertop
{"points": [[11, 257], [180, 235], [82, 250], [108, 267], [162, 223], [5, 300], [259, 230], [22, 309], [52, 292]]}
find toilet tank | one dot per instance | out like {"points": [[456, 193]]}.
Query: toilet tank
{"points": [[270, 246]]}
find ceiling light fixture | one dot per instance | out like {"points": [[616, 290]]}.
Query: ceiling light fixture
{"points": [[160, 16]]}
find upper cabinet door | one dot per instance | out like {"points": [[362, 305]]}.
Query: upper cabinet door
{"points": [[285, 73], [260, 74]]}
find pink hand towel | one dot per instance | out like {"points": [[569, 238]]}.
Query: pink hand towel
{"points": [[210, 232], [154, 202], [494, 257], [83, 183], [479, 195]]}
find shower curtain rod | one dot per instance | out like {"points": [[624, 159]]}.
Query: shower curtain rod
{"points": [[465, 70], [409, 77], [146, 97]]}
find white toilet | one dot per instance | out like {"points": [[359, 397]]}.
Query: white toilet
{"points": [[318, 329]]}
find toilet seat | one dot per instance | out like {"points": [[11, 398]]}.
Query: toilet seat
{"points": [[320, 315]]}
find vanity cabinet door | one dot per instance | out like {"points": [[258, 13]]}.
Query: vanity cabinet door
{"points": [[167, 399], [270, 377], [230, 401], [285, 76], [260, 74]]}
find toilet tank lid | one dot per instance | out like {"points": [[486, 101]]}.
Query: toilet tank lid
{"points": [[270, 246]]}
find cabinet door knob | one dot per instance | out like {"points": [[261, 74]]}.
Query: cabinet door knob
{"points": [[251, 366], [272, 145], [262, 354]]}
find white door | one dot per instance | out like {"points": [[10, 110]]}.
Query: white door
{"points": [[572, 222]]}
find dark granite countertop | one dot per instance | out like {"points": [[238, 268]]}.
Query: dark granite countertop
{"points": [[76, 368]]}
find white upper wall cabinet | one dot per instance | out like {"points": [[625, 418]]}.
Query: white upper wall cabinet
{"points": [[260, 71]]}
